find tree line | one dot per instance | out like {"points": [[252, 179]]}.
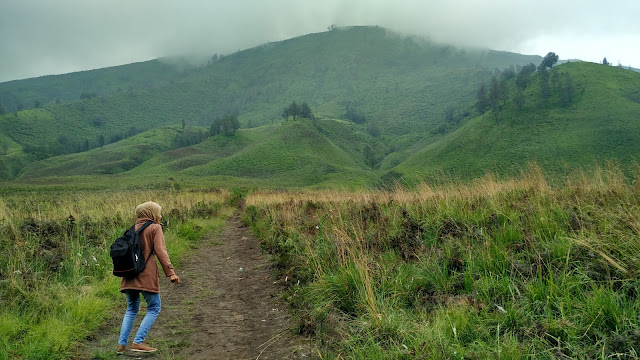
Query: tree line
{"points": [[294, 110], [495, 96]]}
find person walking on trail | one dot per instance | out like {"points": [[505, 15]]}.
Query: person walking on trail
{"points": [[146, 282]]}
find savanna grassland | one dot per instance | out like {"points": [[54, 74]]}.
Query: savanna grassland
{"points": [[56, 285], [488, 269]]}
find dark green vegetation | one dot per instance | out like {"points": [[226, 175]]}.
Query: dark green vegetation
{"points": [[56, 286], [59, 89], [599, 123], [397, 87], [494, 269], [490, 269], [375, 107]]}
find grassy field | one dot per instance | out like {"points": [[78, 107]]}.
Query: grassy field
{"points": [[504, 269], [56, 286]]}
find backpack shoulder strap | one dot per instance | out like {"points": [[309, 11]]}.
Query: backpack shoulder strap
{"points": [[140, 230], [144, 226]]}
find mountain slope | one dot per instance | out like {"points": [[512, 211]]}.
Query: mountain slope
{"points": [[297, 153], [401, 84], [110, 159], [398, 87], [66, 88], [600, 124]]}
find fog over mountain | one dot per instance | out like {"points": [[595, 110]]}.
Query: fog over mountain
{"points": [[39, 37]]}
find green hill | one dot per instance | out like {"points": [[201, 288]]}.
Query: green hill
{"points": [[57, 89], [394, 89], [110, 159], [401, 84], [296, 153], [599, 124]]}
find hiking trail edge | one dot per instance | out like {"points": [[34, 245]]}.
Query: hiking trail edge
{"points": [[227, 306]]}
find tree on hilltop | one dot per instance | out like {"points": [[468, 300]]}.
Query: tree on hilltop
{"points": [[295, 110], [497, 95], [522, 81], [549, 60], [605, 62], [230, 124], [292, 110], [545, 91], [305, 111], [519, 99], [483, 102], [567, 90], [226, 125]]}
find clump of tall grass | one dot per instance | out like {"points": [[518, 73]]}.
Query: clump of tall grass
{"points": [[56, 285], [514, 268]]}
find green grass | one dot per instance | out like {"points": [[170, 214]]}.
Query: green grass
{"points": [[110, 159], [403, 84], [596, 127], [57, 288], [69, 87], [300, 153], [492, 269], [599, 125]]}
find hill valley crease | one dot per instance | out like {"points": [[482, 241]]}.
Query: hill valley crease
{"points": [[379, 107]]}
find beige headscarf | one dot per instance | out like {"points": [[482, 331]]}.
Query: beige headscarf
{"points": [[149, 210]]}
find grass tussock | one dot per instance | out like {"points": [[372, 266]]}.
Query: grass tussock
{"points": [[56, 286], [517, 268]]}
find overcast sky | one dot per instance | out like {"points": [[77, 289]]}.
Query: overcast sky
{"points": [[40, 37]]}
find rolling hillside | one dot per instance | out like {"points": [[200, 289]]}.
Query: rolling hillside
{"points": [[299, 153], [401, 84], [110, 159], [399, 89], [600, 124], [57, 89]]}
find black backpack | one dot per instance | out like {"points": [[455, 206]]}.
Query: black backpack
{"points": [[126, 253]]}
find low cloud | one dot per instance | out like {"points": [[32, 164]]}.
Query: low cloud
{"points": [[46, 37]]}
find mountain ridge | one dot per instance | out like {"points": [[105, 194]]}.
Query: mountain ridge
{"points": [[380, 101]]}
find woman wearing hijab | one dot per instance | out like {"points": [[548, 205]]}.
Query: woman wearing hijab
{"points": [[146, 282]]}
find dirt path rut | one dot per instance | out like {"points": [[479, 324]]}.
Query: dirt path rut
{"points": [[226, 306]]}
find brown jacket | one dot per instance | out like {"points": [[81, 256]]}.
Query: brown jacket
{"points": [[147, 280]]}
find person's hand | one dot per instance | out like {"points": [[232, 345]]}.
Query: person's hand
{"points": [[175, 279]]}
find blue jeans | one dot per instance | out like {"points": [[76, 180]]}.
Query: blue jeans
{"points": [[133, 305]]}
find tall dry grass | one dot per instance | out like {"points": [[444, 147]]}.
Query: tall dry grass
{"points": [[55, 281], [516, 268]]}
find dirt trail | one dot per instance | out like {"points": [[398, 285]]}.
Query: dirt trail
{"points": [[226, 306]]}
